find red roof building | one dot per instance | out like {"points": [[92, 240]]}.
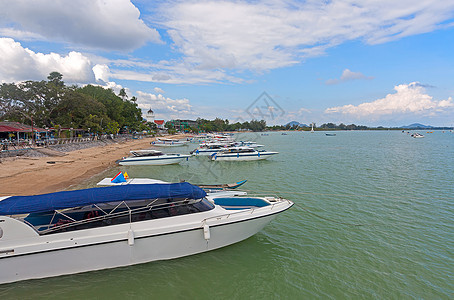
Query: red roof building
{"points": [[18, 127]]}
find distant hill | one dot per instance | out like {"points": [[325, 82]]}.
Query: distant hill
{"points": [[417, 125], [295, 123]]}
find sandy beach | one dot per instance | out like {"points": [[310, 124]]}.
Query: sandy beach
{"points": [[38, 175]]}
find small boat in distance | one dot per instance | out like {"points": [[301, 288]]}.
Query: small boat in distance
{"points": [[417, 135], [152, 157], [107, 227], [330, 134], [241, 154]]}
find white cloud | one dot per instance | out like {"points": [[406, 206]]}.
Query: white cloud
{"points": [[18, 63], [116, 88], [408, 99], [164, 107], [348, 75], [105, 24], [217, 41], [170, 74], [20, 34], [159, 90], [102, 72], [263, 35]]}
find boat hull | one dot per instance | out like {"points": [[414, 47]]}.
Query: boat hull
{"points": [[168, 144], [129, 244], [153, 161], [204, 153], [242, 157]]}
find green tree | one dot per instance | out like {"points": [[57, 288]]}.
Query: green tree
{"points": [[255, 125], [93, 123], [78, 110], [126, 113], [123, 94], [56, 79], [151, 125], [32, 100], [113, 127]]}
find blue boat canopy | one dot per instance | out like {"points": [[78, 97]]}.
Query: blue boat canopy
{"points": [[67, 199]]}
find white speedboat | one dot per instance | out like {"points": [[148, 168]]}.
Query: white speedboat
{"points": [[152, 157], [206, 187], [248, 144], [160, 142], [210, 148], [241, 154], [99, 228], [417, 135]]}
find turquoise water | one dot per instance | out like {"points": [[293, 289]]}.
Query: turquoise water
{"points": [[374, 218]]}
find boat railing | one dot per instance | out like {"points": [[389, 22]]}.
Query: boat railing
{"points": [[113, 213]]}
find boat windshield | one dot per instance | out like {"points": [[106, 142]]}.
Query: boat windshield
{"points": [[113, 213], [141, 154], [240, 150]]}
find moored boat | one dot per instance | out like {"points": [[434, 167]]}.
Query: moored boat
{"points": [[152, 157], [249, 144], [242, 154], [206, 187], [160, 142], [417, 135], [99, 228], [210, 148]]}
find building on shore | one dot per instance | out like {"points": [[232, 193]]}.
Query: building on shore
{"points": [[150, 117], [159, 124], [183, 125], [8, 130]]}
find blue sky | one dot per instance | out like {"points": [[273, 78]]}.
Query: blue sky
{"points": [[376, 62]]}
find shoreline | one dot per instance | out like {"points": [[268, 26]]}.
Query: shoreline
{"points": [[47, 174]]}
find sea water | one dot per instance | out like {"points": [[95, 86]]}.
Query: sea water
{"points": [[373, 218]]}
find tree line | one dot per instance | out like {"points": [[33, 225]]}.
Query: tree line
{"points": [[219, 124], [53, 104], [325, 126]]}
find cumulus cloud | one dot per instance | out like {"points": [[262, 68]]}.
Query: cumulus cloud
{"points": [[164, 107], [102, 72], [109, 24], [18, 63], [263, 35], [348, 75], [408, 99], [116, 87], [159, 90]]}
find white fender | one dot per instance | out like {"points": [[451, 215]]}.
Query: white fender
{"points": [[130, 237], [206, 232]]}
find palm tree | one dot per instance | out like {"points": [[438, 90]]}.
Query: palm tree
{"points": [[122, 94]]}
